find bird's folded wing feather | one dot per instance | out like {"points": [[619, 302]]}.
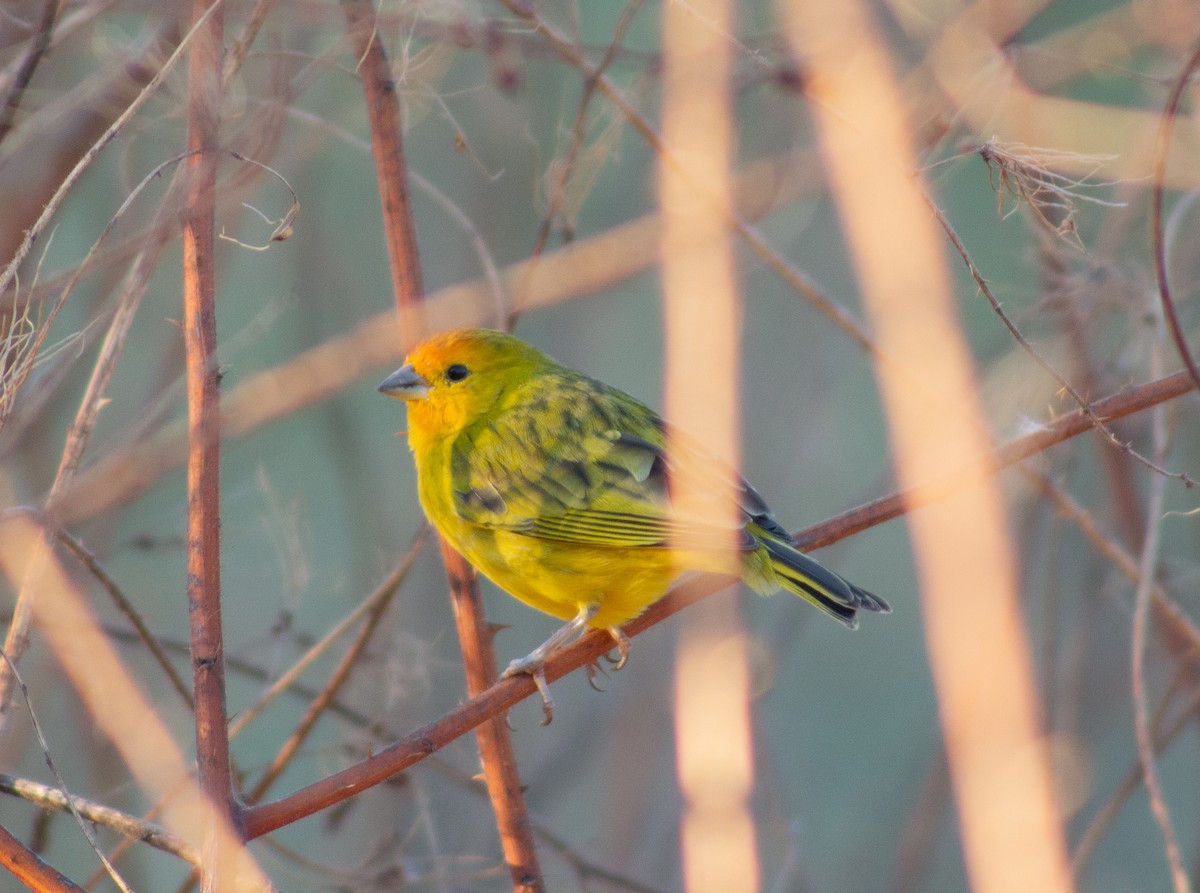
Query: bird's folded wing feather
{"points": [[594, 472]]}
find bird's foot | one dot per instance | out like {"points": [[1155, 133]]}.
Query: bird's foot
{"points": [[534, 666], [534, 663]]}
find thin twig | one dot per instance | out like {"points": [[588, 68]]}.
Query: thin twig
{"points": [[1173, 617], [69, 800], [1157, 241], [17, 637], [1096, 420], [245, 40], [89, 561], [1163, 738], [573, 55], [51, 208], [373, 608], [562, 172], [1141, 613]]}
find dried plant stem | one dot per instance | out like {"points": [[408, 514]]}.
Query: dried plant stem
{"points": [[1090, 838], [123, 823], [89, 561], [1097, 422], [51, 207], [1185, 634], [121, 711], [560, 174], [573, 55], [17, 636]]}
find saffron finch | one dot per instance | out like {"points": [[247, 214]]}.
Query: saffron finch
{"points": [[556, 487]]}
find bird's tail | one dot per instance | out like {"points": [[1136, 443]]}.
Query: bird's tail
{"points": [[802, 576]]}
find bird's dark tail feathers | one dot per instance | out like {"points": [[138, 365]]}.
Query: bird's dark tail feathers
{"points": [[802, 576]]}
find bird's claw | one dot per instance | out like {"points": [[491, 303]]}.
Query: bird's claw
{"points": [[593, 670], [623, 648], [535, 669]]}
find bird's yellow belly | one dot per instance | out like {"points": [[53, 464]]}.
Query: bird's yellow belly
{"points": [[562, 578]]}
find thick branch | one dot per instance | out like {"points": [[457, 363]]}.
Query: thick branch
{"points": [[203, 483]]}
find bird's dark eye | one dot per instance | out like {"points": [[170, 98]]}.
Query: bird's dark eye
{"points": [[457, 372]]}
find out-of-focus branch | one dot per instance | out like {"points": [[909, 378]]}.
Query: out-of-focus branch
{"points": [[584, 267], [702, 309], [38, 44], [1008, 818], [119, 709]]}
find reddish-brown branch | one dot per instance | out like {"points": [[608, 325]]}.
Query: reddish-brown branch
{"points": [[495, 743], [507, 692], [30, 870], [489, 704], [387, 144], [200, 341], [1117, 406]]}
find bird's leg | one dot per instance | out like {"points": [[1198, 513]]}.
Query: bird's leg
{"points": [[534, 662], [536, 658]]}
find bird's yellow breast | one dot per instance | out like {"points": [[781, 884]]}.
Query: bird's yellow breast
{"points": [[556, 578]]}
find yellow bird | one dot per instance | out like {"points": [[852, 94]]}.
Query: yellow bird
{"points": [[557, 487]]}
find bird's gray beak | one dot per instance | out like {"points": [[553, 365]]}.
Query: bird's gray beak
{"points": [[405, 384]]}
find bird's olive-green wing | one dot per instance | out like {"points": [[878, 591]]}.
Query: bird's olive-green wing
{"points": [[587, 465]]}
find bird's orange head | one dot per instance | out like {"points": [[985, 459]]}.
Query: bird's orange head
{"points": [[453, 379]]}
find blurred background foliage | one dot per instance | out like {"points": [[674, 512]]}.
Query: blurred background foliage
{"points": [[319, 502]]}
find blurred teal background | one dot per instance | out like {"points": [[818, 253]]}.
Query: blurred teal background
{"points": [[851, 792]]}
